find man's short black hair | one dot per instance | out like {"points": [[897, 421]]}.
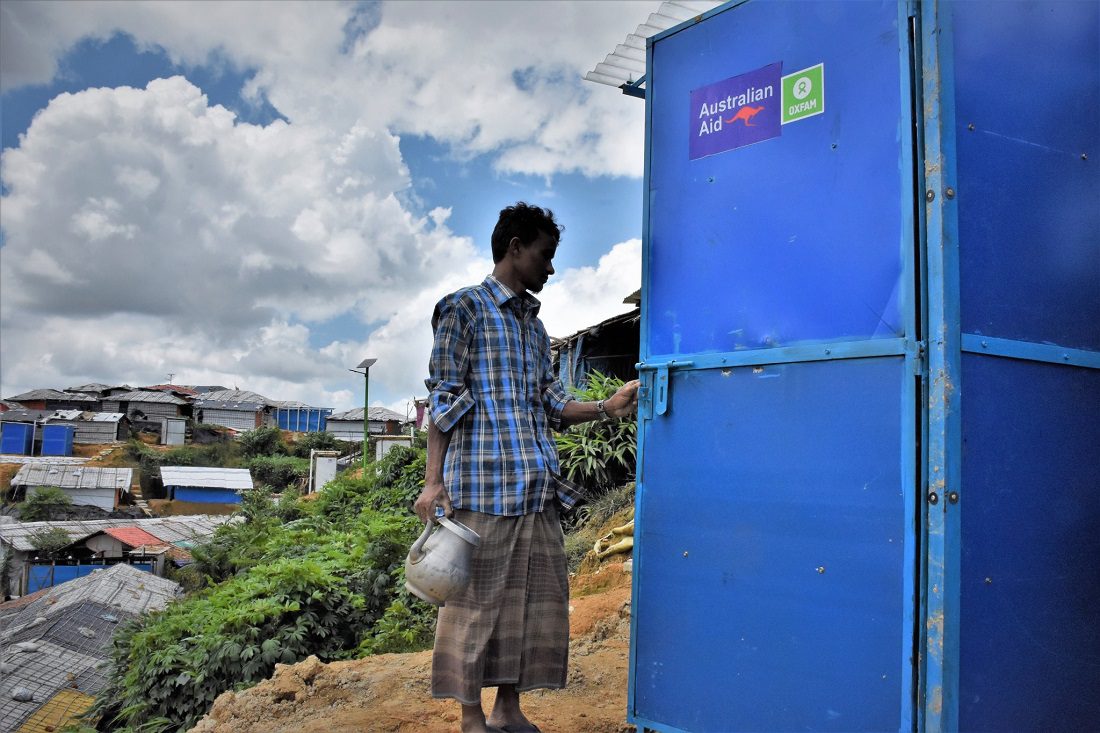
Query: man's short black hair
{"points": [[524, 221]]}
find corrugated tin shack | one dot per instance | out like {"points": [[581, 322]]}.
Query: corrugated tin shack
{"points": [[18, 550], [52, 399], [150, 405], [609, 347], [234, 408], [205, 485], [94, 428], [348, 425], [56, 644], [85, 485]]}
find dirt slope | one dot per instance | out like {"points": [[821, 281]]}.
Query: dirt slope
{"points": [[389, 693]]}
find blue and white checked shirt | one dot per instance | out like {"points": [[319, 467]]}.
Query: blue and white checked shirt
{"points": [[492, 388]]}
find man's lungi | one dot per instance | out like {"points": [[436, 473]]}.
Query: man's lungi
{"points": [[511, 624]]}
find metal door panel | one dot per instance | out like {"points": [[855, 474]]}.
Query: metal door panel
{"points": [[771, 551], [799, 237], [1027, 96], [1029, 654]]}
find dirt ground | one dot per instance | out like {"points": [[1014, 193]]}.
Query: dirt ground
{"points": [[389, 693]]}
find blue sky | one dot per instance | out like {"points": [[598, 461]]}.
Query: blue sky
{"points": [[262, 194]]}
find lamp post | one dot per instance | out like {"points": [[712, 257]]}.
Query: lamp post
{"points": [[365, 365]]}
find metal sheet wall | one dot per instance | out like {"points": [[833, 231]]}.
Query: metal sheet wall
{"points": [[16, 437], [236, 419], [1027, 128]]}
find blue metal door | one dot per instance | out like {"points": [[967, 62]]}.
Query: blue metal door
{"points": [[776, 567]]}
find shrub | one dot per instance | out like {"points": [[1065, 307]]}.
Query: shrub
{"points": [[50, 540], [329, 583], [171, 665], [279, 472], [42, 504], [318, 441], [599, 454], [263, 441]]}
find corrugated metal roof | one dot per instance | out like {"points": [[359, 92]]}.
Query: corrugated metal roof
{"points": [[139, 395], [97, 387], [51, 394], [133, 536], [210, 478], [173, 530], [625, 65], [170, 388], [61, 640], [376, 413], [237, 395], [220, 405], [73, 477]]}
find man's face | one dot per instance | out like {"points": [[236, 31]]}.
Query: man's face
{"points": [[534, 262]]}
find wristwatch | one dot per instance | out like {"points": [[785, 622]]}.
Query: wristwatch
{"points": [[602, 412]]}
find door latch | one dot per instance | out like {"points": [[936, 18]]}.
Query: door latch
{"points": [[662, 384]]}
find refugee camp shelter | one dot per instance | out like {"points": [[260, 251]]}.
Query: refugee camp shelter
{"points": [[25, 574], [94, 428], [205, 485], [348, 425], [56, 644], [147, 405], [85, 485], [234, 408], [609, 347], [299, 417], [52, 399]]}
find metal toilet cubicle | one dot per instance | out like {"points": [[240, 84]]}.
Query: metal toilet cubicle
{"points": [[869, 454]]}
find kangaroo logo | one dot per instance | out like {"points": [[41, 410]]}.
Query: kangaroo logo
{"points": [[745, 114]]}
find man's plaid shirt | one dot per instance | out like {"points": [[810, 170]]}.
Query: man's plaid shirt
{"points": [[492, 388]]}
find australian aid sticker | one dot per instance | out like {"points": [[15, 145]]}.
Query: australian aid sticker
{"points": [[735, 112]]}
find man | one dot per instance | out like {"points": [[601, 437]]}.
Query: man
{"points": [[493, 466]]}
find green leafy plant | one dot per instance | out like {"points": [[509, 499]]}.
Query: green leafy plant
{"points": [[279, 472], [44, 503], [50, 540], [318, 441], [599, 454], [263, 441], [329, 581]]}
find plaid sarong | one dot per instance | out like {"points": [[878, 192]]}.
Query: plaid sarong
{"points": [[511, 624]]}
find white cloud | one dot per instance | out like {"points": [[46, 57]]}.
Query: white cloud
{"points": [[148, 231], [585, 296]]}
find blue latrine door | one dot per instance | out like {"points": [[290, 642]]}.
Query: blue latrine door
{"points": [[776, 569]]}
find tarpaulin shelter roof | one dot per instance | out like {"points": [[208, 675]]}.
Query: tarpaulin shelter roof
{"points": [[52, 394], [61, 639], [141, 395]]}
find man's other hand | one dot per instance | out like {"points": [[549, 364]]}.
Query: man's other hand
{"points": [[433, 495], [624, 402]]}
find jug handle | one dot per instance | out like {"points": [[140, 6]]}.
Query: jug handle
{"points": [[414, 552]]}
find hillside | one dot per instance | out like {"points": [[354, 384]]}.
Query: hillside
{"points": [[389, 693]]}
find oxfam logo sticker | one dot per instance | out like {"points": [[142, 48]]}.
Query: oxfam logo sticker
{"points": [[803, 93]]}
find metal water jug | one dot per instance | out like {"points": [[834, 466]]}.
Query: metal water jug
{"points": [[438, 565]]}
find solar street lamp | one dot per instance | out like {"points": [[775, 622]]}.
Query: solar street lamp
{"points": [[365, 365]]}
